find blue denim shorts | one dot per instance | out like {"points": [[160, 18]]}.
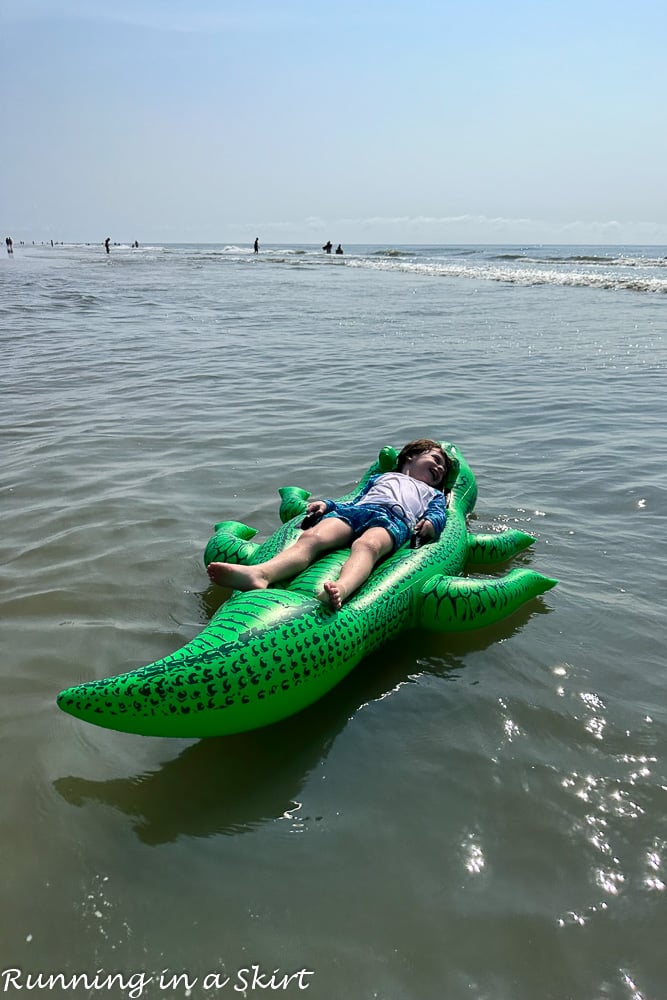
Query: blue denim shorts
{"points": [[360, 517]]}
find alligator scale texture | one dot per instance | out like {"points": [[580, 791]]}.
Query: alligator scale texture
{"points": [[267, 654]]}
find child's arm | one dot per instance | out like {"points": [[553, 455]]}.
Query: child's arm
{"points": [[366, 487], [430, 526]]}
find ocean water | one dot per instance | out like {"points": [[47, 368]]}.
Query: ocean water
{"points": [[476, 817]]}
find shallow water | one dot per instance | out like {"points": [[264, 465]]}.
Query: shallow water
{"points": [[479, 816]]}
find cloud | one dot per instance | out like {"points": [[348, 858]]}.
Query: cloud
{"points": [[443, 220], [605, 230], [465, 228]]}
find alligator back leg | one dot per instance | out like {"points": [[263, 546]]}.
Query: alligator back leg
{"points": [[456, 604], [231, 543]]}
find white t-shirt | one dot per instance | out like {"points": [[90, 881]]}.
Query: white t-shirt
{"points": [[397, 489]]}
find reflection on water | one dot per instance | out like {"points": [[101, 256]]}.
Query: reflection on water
{"points": [[233, 784], [225, 785]]}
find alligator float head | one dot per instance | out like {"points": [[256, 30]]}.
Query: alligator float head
{"points": [[267, 654]]}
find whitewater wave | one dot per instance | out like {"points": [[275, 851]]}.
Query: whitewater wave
{"points": [[523, 275]]}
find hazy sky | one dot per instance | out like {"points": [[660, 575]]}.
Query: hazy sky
{"points": [[354, 120]]}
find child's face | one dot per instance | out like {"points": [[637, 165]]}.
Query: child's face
{"points": [[428, 467]]}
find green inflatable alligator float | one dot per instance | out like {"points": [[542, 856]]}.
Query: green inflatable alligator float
{"points": [[267, 654]]}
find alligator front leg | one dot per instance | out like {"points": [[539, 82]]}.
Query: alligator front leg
{"points": [[485, 550], [293, 502]]}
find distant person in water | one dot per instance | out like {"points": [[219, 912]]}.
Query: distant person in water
{"points": [[392, 507], [106, 243], [339, 249], [9, 244], [327, 246], [256, 244]]}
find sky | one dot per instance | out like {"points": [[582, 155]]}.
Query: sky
{"points": [[359, 121]]}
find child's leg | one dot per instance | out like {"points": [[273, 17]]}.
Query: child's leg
{"points": [[331, 533], [366, 551]]}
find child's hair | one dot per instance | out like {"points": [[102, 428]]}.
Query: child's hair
{"points": [[419, 447]]}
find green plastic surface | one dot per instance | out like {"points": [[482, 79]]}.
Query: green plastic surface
{"points": [[267, 654]]}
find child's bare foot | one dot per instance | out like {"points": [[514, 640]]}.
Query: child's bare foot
{"points": [[333, 595], [237, 577]]}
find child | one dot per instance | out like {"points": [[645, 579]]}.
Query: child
{"points": [[391, 507]]}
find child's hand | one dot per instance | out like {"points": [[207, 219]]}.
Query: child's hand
{"points": [[424, 531], [314, 511]]}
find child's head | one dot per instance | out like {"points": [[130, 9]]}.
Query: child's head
{"points": [[424, 446]]}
